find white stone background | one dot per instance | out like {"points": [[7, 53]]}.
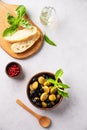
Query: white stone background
{"points": [[69, 33]]}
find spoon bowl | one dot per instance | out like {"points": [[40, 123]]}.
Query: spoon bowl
{"points": [[43, 120]]}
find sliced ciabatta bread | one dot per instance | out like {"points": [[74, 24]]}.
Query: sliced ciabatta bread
{"points": [[22, 46], [22, 35]]}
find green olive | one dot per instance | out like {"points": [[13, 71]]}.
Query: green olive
{"points": [[44, 104], [47, 83], [35, 85], [52, 97], [58, 96], [31, 88], [53, 90], [41, 80], [46, 89], [50, 88], [43, 96]]}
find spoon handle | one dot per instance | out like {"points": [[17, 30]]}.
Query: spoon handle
{"points": [[19, 102]]}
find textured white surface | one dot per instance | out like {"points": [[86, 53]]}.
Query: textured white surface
{"points": [[69, 33]]}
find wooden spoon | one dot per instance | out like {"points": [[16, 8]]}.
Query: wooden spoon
{"points": [[43, 120]]}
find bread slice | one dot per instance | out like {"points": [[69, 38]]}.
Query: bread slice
{"points": [[22, 46], [21, 35]]}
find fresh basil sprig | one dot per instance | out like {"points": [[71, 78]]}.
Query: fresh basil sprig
{"points": [[48, 40], [58, 84], [21, 10], [15, 22]]}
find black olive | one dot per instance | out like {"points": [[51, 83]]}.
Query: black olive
{"points": [[47, 101], [36, 100], [34, 79], [49, 105], [33, 93], [44, 75], [30, 96], [56, 101], [39, 104], [38, 93], [41, 90], [39, 86]]}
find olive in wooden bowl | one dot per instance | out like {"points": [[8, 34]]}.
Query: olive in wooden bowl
{"points": [[42, 92]]}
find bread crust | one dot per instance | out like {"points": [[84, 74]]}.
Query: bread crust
{"points": [[22, 46]]}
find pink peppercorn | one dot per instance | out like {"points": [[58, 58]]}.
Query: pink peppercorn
{"points": [[13, 69]]}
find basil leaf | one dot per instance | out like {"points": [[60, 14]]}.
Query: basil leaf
{"points": [[58, 74], [51, 81], [62, 93], [13, 21], [61, 85], [10, 19], [24, 23], [48, 40], [9, 31], [21, 10]]}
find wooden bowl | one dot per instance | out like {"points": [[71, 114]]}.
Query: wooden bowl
{"points": [[35, 94]]}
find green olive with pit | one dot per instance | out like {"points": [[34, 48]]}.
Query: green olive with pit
{"points": [[34, 85], [58, 96], [41, 80], [52, 97], [31, 88], [53, 90], [47, 83], [43, 96], [44, 104], [46, 89]]}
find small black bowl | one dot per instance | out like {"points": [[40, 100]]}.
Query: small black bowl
{"points": [[13, 69], [35, 94]]}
